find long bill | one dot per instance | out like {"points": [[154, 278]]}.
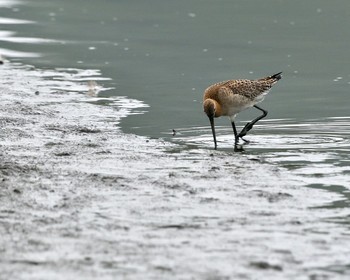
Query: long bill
{"points": [[213, 130]]}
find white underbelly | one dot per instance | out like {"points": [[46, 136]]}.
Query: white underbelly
{"points": [[237, 109], [241, 104], [261, 97]]}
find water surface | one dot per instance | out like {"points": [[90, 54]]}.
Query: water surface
{"points": [[166, 53]]}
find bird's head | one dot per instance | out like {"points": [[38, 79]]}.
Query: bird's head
{"points": [[212, 108]]}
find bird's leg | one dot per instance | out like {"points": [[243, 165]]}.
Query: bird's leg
{"points": [[237, 147], [235, 131], [211, 119], [250, 125]]}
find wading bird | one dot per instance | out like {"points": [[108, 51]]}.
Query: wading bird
{"points": [[228, 98]]}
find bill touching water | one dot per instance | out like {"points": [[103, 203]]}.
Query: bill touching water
{"points": [[229, 98], [107, 163]]}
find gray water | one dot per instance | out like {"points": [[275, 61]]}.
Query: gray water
{"points": [[166, 53], [163, 54]]}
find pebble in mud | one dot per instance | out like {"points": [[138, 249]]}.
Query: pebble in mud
{"points": [[272, 197], [266, 265]]}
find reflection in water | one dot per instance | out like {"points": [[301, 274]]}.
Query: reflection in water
{"points": [[9, 3], [12, 53], [10, 37], [4, 20], [314, 150], [27, 40]]}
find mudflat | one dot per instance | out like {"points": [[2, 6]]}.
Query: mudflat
{"points": [[80, 199]]}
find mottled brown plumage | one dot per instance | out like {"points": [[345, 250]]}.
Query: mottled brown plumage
{"points": [[228, 98]]}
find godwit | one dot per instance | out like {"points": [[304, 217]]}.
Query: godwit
{"points": [[228, 98]]}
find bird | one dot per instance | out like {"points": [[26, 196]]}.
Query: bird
{"points": [[228, 98]]}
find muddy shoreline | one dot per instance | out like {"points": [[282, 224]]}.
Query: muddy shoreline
{"points": [[80, 199]]}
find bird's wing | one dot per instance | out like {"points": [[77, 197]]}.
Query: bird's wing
{"points": [[248, 88]]}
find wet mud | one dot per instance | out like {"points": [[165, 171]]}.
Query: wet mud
{"points": [[79, 199]]}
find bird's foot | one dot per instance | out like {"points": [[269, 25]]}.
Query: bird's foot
{"points": [[238, 148], [244, 140]]}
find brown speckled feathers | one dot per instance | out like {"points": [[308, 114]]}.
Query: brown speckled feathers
{"points": [[228, 98], [247, 88]]}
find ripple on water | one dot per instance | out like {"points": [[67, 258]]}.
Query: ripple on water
{"points": [[314, 150]]}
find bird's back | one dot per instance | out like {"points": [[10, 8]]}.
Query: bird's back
{"points": [[237, 95], [250, 89]]}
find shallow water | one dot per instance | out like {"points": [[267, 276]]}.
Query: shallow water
{"points": [[317, 151], [153, 59]]}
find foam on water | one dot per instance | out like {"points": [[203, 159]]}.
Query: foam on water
{"points": [[77, 85]]}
